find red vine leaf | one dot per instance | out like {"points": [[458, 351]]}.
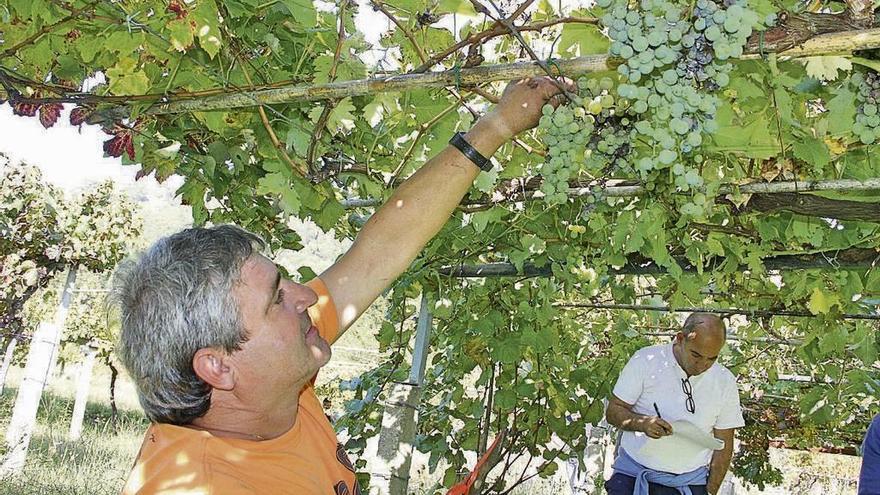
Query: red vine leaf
{"points": [[49, 114], [79, 115], [25, 109], [120, 143], [177, 9]]}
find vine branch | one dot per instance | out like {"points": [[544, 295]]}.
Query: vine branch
{"points": [[331, 103], [733, 311], [74, 13], [837, 42], [625, 189]]}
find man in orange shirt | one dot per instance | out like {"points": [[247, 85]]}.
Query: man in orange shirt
{"points": [[224, 351]]}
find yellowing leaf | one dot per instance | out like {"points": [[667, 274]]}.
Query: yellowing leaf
{"points": [[124, 80], [207, 27], [835, 146], [825, 68], [820, 302], [180, 33]]}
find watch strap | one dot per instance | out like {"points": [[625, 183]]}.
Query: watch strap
{"points": [[470, 152]]}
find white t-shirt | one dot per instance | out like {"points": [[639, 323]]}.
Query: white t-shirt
{"points": [[652, 376]]}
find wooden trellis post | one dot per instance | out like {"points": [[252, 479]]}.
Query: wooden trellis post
{"points": [[396, 439]]}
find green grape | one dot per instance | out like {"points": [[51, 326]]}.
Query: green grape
{"points": [[667, 156]]}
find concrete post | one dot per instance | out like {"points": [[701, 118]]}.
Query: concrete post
{"points": [[400, 419]]}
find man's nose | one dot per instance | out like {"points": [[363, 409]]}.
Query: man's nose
{"points": [[305, 297]]}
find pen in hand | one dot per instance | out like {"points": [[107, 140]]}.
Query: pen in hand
{"points": [[664, 426]]}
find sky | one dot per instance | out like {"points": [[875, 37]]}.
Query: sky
{"points": [[71, 158]]}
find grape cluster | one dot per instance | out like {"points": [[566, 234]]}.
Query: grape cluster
{"points": [[648, 39], [867, 125], [567, 130], [609, 146], [715, 33], [654, 119], [593, 134]]}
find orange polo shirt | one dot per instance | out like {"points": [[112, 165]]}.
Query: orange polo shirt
{"points": [[305, 460]]}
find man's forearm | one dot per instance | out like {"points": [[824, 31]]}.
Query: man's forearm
{"points": [[417, 210], [624, 419], [423, 203], [718, 468], [398, 231]]}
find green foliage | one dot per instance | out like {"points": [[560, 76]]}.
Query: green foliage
{"points": [[763, 120], [42, 233]]}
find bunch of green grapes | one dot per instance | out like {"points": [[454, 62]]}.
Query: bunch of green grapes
{"points": [[647, 39], [592, 134], [673, 63], [867, 125], [610, 145], [566, 132]]}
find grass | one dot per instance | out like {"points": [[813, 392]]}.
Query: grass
{"points": [[97, 463]]}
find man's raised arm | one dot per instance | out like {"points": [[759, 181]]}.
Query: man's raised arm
{"points": [[417, 210]]}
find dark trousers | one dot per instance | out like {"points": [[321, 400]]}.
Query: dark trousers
{"points": [[621, 484]]}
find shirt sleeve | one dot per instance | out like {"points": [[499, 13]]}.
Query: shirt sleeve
{"points": [[731, 415], [631, 381], [323, 313]]}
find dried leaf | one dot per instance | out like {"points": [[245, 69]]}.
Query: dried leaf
{"points": [[79, 115], [49, 114]]}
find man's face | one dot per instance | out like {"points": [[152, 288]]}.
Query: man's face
{"points": [[699, 351], [283, 347]]}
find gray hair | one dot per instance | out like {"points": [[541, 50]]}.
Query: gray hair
{"points": [[174, 300]]}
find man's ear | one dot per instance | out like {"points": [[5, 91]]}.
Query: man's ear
{"points": [[212, 366]]}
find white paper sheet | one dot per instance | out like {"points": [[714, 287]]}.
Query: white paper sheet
{"points": [[687, 440]]}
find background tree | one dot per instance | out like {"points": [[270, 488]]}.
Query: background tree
{"points": [[92, 232]]}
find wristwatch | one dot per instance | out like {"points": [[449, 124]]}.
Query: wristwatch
{"points": [[470, 152]]}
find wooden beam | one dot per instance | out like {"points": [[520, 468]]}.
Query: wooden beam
{"points": [[838, 42], [814, 206], [846, 259], [619, 189]]}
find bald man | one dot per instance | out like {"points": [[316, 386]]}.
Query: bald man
{"points": [[660, 385]]}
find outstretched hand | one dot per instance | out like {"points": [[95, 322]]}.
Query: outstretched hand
{"points": [[522, 101]]}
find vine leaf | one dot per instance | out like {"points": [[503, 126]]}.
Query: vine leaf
{"points": [[207, 27], [49, 114], [586, 39], [871, 64], [825, 68], [180, 32], [821, 302], [124, 79], [814, 152], [841, 111]]}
